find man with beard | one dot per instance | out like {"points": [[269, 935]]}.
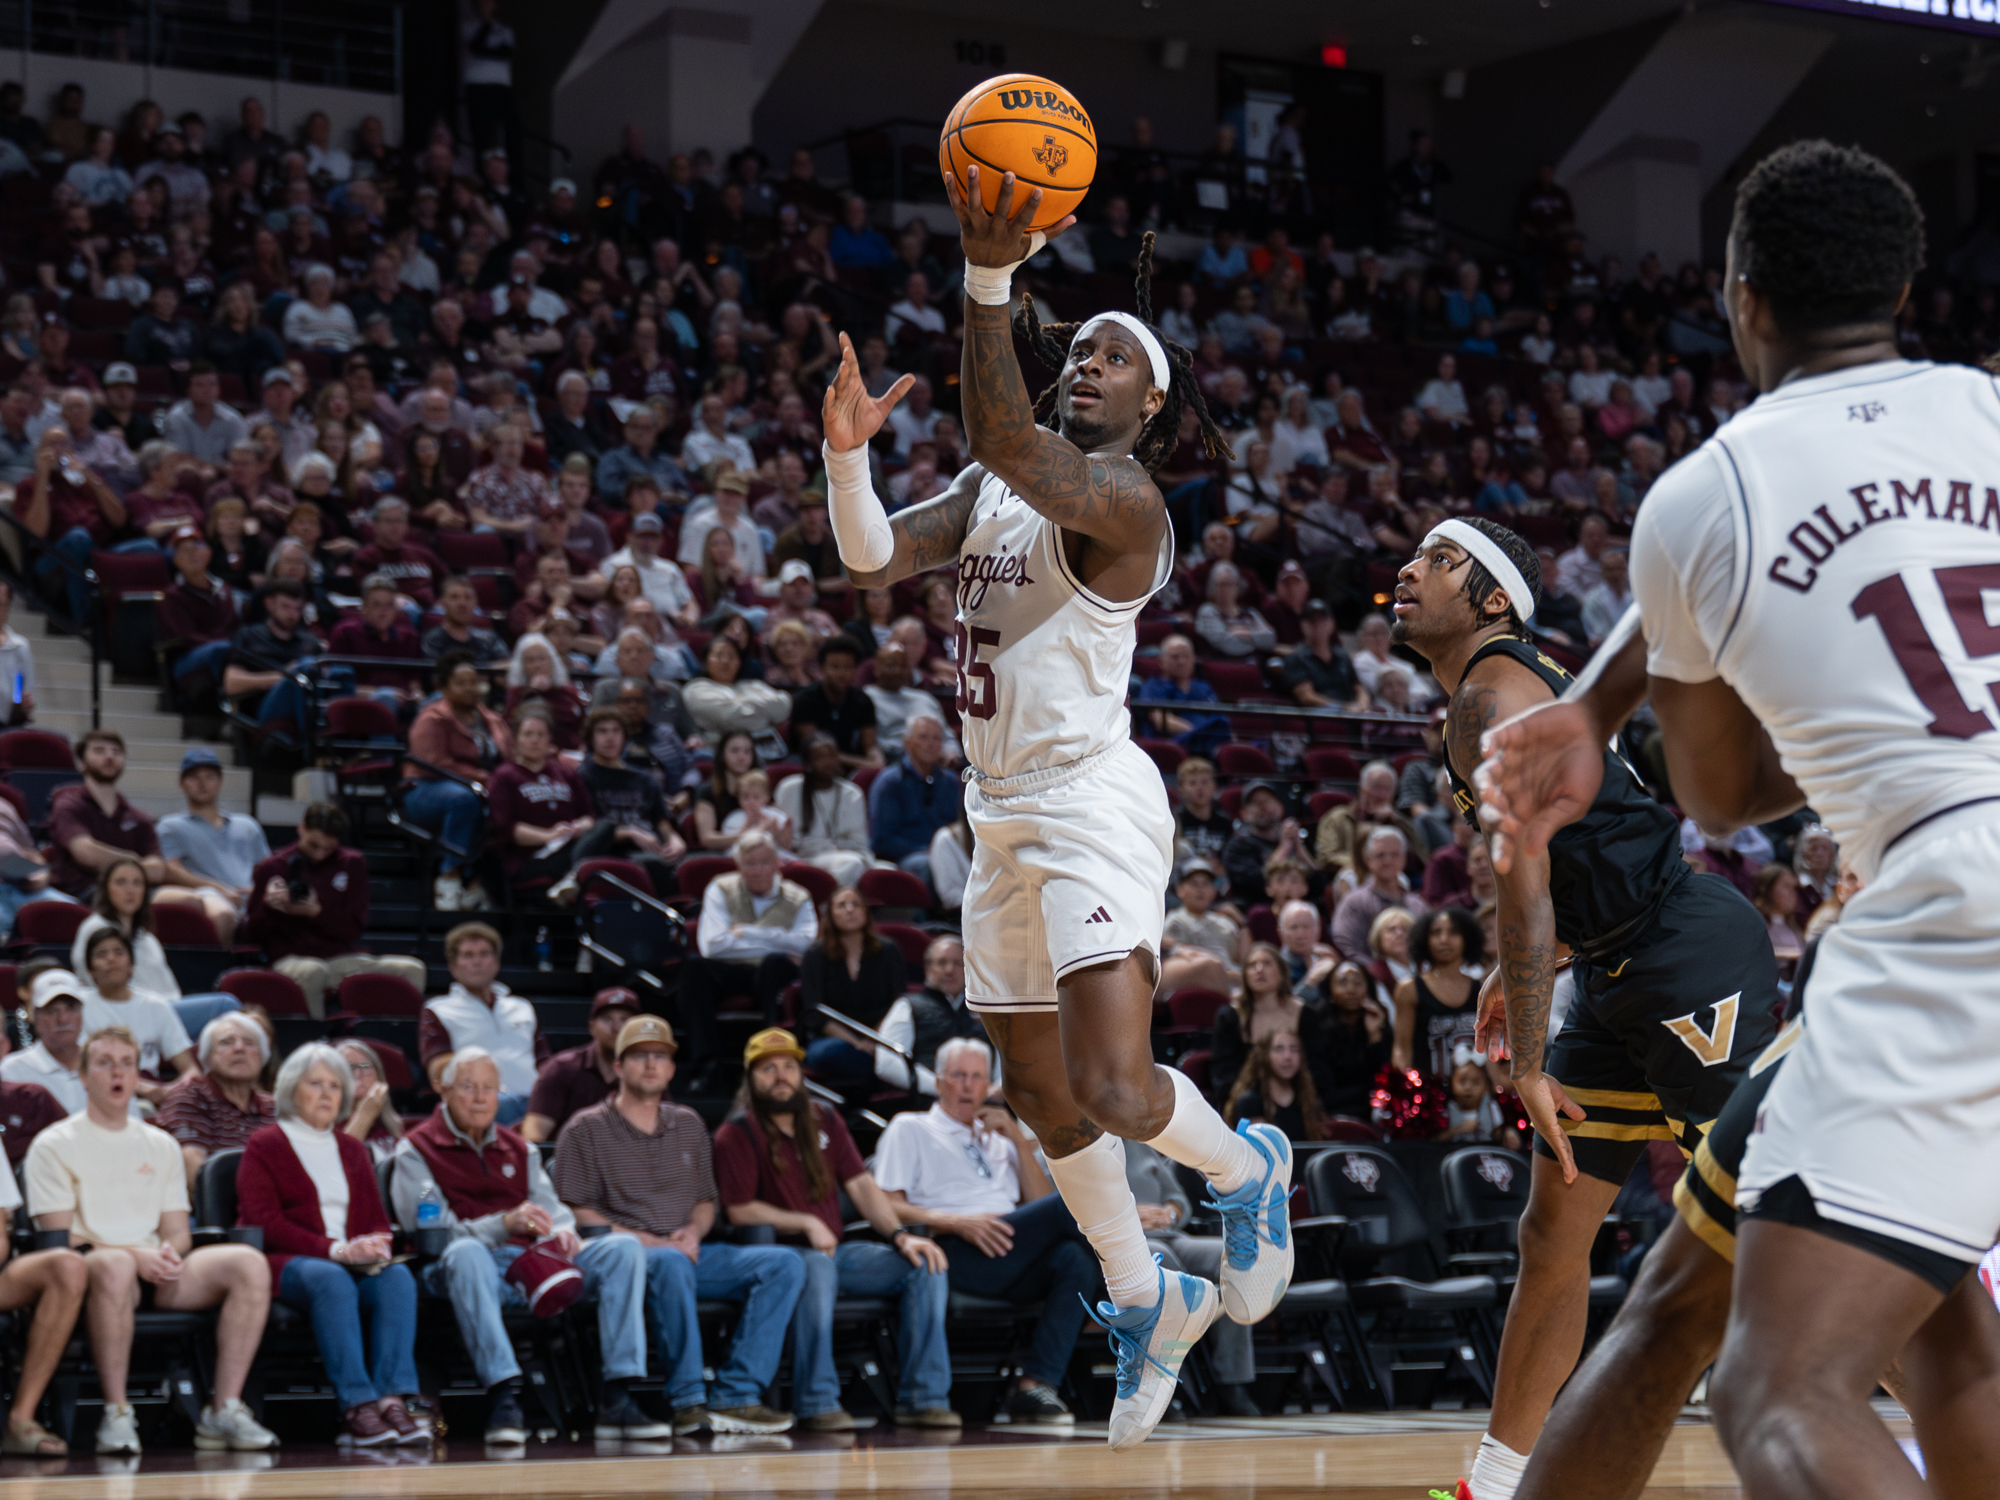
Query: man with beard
{"points": [[773, 1173]]}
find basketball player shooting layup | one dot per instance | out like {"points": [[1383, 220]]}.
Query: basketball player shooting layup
{"points": [[1674, 974], [1060, 539], [1814, 590]]}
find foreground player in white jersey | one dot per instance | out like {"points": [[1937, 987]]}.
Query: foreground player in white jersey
{"points": [[1813, 585], [1060, 538]]}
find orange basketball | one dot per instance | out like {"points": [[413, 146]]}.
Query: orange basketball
{"points": [[1028, 126]]}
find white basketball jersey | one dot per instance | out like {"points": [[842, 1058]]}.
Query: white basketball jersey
{"points": [[1834, 555], [1044, 664]]}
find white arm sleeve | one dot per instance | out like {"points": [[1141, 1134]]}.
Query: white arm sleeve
{"points": [[860, 525]]}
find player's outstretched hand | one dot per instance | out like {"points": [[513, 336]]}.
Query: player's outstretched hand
{"points": [[1546, 1103], [1000, 237], [850, 416], [1542, 770]]}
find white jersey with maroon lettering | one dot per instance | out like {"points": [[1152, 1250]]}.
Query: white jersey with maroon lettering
{"points": [[1833, 555], [1044, 664]]}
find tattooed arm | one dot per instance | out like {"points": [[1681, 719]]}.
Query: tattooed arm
{"points": [[928, 535], [1107, 497], [1498, 689]]}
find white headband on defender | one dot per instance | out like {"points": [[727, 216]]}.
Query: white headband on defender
{"points": [[1162, 371], [1489, 555]]}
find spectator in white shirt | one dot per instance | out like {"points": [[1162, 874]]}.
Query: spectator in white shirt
{"points": [[828, 814], [1581, 569], [152, 1022], [316, 321], [897, 703], [754, 927], [1590, 383], [913, 420], [55, 1011], [479, 1011], [967, 1170], [914, 311], [1443, 399], [117, 1185], [661, 580], [922, 1023], [711, 440], [725, 509], [1605, 605]]}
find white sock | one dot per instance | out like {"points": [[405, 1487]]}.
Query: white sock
{"points": [[1092, 1183], [1496, 1470], [1197, 1137]]}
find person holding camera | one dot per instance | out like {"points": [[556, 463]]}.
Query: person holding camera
{"points": [[309, 907]]}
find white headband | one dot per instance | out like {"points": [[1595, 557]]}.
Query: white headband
{"points": [[1162, 371], [1489, 555]]}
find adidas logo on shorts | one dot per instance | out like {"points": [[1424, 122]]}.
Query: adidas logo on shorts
{"points": [[1100, 915]]}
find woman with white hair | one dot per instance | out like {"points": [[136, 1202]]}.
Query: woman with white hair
{"points": [[311, 1188], [537, 673], [316, 321], [1226, 625]]}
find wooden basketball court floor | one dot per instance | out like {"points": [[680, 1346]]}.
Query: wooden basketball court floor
{"points": [[1380, 1456]]}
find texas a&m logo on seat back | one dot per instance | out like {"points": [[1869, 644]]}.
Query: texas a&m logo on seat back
{"points": [[1362, 1172]]}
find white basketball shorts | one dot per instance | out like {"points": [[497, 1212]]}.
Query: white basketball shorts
{"points": [[1888, 1109], [1063, 877]]}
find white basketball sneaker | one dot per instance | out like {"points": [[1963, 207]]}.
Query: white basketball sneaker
{"points": [[1257, 1230], [1150, 1343]]}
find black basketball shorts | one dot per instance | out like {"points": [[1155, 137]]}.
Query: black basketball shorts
{"points": [[1660, 1034]]}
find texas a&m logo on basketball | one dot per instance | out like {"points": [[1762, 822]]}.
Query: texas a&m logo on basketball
{"points": [[1052, 154]]}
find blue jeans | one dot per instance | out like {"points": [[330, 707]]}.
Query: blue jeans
{"points": [[286, 702], [841, 1061], [196, 1011], [1051, 1262], [209, 656], [336, 1299], [473, 1276], [74, 547], [766, 1279], [513, 1109], [863, 1269], [450, 811]]}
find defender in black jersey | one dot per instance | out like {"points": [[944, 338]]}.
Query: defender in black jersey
{"points": [[1675, 980]]}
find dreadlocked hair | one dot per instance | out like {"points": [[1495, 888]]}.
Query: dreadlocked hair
{"points": [[1480, 584], [1159, 437]]}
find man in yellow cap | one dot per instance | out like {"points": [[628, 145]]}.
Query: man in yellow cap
{"points": [[780, 1160], [642, 1164]]}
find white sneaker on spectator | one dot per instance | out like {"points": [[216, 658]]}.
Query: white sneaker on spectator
{"points": [[230, 1425], [475, 898], [118, 1430], [448, 893]]}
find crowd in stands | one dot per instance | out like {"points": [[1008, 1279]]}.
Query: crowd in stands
{"points": [[540, 480]]}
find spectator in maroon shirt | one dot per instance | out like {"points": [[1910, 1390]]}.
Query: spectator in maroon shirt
{"points": [[247, 478], [577, 1077], [309, 907], [91, 824], [412, 568], [538, 806], [199, 610], [73, 512], [381, 630], [159, 507], [219, 1106]]}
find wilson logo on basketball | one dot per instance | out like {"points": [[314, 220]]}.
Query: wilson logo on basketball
{"points": [[1052, 154], [1053, 104]]}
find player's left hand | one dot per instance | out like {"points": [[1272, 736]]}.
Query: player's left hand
{"points": [[1489, 1032], [1000, 237], [1546, 1103]]}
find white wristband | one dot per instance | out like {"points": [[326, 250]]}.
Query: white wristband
{"points": [[860, 524], [993, 286]]}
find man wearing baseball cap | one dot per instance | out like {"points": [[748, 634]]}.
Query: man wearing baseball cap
{"points": [[200, 609], [724, 508], [579, 1077], [778, 1160], [643, 1165], [209, 849], [1319, 673], [798, 594], [659, 577], [55, 1010], [118, 409]]}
